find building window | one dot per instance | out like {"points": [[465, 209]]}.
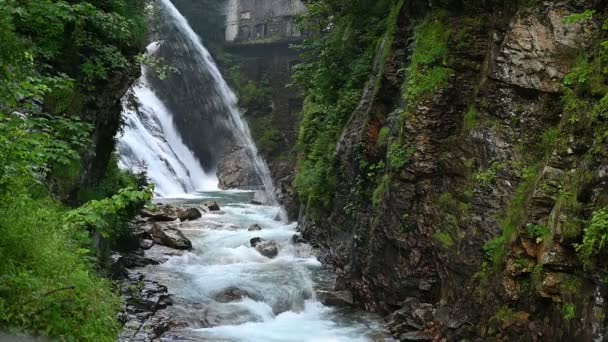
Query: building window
{"points": [[261, 30], [244, 32], [246, 15]]}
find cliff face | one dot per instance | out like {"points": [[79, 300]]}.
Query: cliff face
{"points": [[483, 186]]}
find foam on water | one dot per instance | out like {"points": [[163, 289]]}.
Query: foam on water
{"points": [[280, 304], [151, 140]]}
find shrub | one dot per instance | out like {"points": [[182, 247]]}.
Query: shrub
{"points": [[398, 156], [427, 72], [595, 237]]}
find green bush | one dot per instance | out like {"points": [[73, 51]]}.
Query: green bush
{"points": [[595, 237], [398, 156], [470, 118], [337, 62], [428, 72], [54, 55]]}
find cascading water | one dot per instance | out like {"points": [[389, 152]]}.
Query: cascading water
{"points": [[150, 139], [225, 100]]}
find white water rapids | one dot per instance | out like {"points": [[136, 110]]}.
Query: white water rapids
{"points": [[281, 304]]}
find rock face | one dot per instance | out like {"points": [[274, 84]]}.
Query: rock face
{"points": [[483, 217], [236, 171], [531, 55], [335, 298], [170, 237]]}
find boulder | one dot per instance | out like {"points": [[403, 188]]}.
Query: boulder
{"points": [[260, 197], [170, 237], [146, 244], [254, 242], [267, 248], [189, 214], [212, 205], [254, 227], [162, 214]]}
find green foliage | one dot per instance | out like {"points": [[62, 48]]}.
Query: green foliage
{"points": [[568, 311], [337, 62], [539, 233], [595, 237], [504, 314], [381, 190], [157, 64], [537, 276], [398, 155], [495, 249], [428, 72], [383, 136], [108, 215], [470, 118], [47, 286], [54, 55], [444, 238], [578, 18], [487, 177]]}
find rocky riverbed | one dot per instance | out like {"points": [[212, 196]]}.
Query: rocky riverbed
{"points": [[226, 270]]}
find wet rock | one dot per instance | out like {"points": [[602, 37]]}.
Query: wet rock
{"points": [[212, 206], [267, 248], [233, 294], [170, 237], [335, 298], [144, 316], [296, 239], [162, 214], [423, 314], [552, 285], [189, 214], [255, 241], [260, 197], [235, 170], [146, 243], [416, 336], [558, 258], [254, 227]]}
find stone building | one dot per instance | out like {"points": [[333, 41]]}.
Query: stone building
{"points": [[262, 20]]}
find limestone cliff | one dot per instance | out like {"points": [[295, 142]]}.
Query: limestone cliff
{"points": [[483, 183]]}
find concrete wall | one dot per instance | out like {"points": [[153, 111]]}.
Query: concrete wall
{"points": [[267, 20]]}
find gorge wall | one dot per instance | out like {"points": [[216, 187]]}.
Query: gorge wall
{"points": [[472, 174]]}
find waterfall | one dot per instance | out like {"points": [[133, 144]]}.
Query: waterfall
{"points": [[151, 140], [152, 137], [225, 100]]}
